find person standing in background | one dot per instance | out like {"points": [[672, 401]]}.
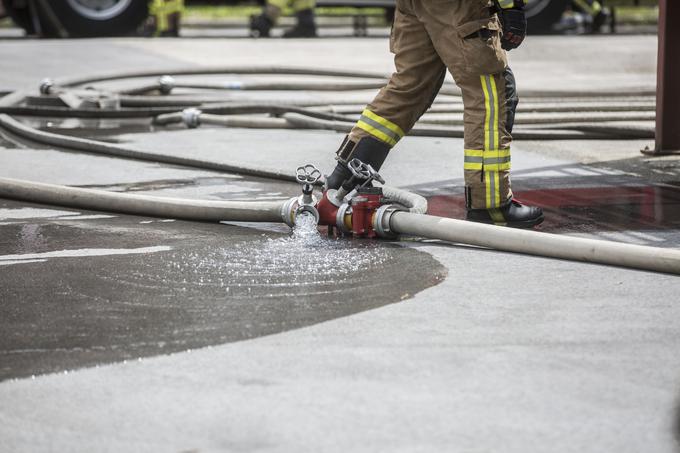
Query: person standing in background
{"points": [[261, 25]]}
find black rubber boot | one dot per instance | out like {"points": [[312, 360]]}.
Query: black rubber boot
{"points": [[369, 150], [260, 26], [598, 21], [305, 28], [513, 214]]}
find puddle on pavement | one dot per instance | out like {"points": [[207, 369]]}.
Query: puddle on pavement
{"points": [[589, 209], [218, 284], [304, 258]]}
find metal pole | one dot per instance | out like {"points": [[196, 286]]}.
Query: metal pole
{"points": [[667, 79]]}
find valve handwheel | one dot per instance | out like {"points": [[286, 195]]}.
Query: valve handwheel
{"points": [[307, 174], [364, 171]]}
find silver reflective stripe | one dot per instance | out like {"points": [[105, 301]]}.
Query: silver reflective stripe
{"points": [[494, 160], [390, 133], [491, 181]]}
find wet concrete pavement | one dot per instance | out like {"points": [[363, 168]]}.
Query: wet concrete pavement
{"points": [[506, 352], [155, 287]]}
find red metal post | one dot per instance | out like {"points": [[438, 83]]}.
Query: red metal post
{"points": [[668, 79]]}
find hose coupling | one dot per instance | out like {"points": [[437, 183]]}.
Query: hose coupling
{"points": [[46, 86], [166, 84], [381, 220], [191, 117]]}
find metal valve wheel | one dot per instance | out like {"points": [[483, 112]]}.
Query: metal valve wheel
{"points": [[364, 171], [307, 174]]}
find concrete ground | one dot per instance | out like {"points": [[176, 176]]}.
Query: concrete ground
{"points": [[122, 333]]}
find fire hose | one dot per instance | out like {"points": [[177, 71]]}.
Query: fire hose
{"points": [[387, 223], [365, 212]]}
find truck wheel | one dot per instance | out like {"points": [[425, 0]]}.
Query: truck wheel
{"points": [[81, 18], [543, 14]]}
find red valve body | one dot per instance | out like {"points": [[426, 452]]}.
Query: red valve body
{"points": [[364, 205], [327, 211]]}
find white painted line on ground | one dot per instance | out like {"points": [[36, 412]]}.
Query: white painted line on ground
{"points": [[8, 263], [14, 259], [86, 217], [33, 213]]}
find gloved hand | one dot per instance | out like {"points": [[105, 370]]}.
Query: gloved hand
{"points": [[511, 15]]}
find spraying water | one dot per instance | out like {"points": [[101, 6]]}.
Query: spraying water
{"points": [[301, 259]]}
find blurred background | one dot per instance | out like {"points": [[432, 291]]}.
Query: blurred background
{"points": [[91, 18]]}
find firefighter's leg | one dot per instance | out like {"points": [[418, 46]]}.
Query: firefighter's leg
{"points": [[261, 25], [306, 25], [596, 12], [166, 16], [409, 92], [473, 54]]}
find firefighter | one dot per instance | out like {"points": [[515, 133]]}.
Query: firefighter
{"points": [[261, 25], [469, 37], [164, 18], [596, 13]]}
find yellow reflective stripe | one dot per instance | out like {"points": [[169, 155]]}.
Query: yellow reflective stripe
{"points": [[489, 183], [475, 166], [473, 160], [505, 4], [589, 9], [474, 152], [161, 9], [497, 188], [497, 160], [299, 5], [384, 122], [166, 6], [496, 142], [493, 192], [380, 135], [501, 166], [492, 160], [487, 113], [497, 216], [375, 125]]}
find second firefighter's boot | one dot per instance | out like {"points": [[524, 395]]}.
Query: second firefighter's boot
{"points": [[368, 150], [260, 26], [513, 214], [305, 28]]}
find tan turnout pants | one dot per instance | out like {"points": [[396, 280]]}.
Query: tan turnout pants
{"points": [[428, 37]]}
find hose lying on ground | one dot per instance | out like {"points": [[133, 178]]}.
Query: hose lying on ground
{"points": [[305, 122], [175, 208], [271, 86], [536, 243], [97, 147], [447, 88], [410, 223]]}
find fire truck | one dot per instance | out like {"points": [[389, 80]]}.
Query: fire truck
{"points": [[91, 18]]}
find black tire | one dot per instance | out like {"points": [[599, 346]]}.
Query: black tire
{"points": [[543, 14], [81, 23]]}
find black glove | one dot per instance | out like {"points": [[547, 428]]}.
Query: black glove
{"points": [[514, 24]]}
